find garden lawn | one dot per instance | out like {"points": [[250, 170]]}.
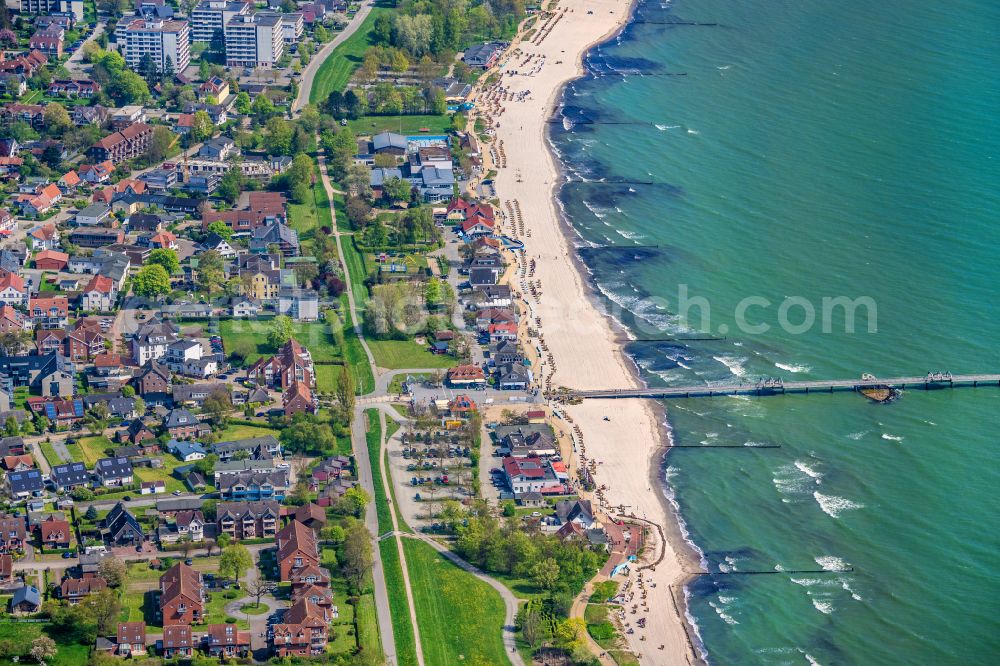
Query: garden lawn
{"points": [[401, 354], [358, 269], [343, 638], [240, 431], [356, 359], [91, 449], [20, 636], [402, 628], [215, 609], [50, 453], [460, 616], [164, 474], [339, 65], [314, 336], [407, 125]]}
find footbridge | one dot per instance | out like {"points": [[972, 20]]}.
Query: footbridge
{"points": [[772, 386]]}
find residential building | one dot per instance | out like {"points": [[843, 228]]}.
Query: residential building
{"points": [[12, 534], [190, 525], [255, 448], [299, 304], [525, 475], [93, 215], [114, 472], [211, 16], [28, 483], [293, 363], [44, 236], [182, 595], [99, 295], [177, 641], [151, 341], [225, 640], [121, 528], [254, 40], [262, 239], [167, 42], [297, 549], [251, 485], [27, 599], [130, 142], [74, 590], [292, 25], [248, 520], [482, 56], [83, 88], [304, 630], [13, 320], [131, 639], [182, 424], [298, 399], [55, 533], [51, 260], [67, 476]]}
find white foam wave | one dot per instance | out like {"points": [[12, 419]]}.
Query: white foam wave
{"points": [[792, 367], [809, 471], [847, 588], [833, 506], [723, 615], [857, 435], [693, 131], [892, 438], [824, 607], [733, 363], [831, 563]]}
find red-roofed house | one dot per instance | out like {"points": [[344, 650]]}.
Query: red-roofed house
{"points": [[182, 595], [466, 375], [49, 312], [500, 332], [184, 123], [51, 260], [97, 173], [13, 320], [124, 186], [44, 237], [130, 142], [49, 42], [164, 240], [99, 295], [177, 640], [297, 549], [7, 222], [41, 201], [131, 638], [10, 166], [298, 399], [531, 475], [55, 533], [13, 290], [303, 631], [69, 180], [226, 639]]}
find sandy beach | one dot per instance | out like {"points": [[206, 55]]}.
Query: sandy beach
{"points": [[577, 343]]}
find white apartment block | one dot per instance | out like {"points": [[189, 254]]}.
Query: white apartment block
{"points": [[292, 26], [162, 40], [211, 15], [72, 7], [254, 40]]}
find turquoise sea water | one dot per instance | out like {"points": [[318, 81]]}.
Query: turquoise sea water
{"points": [[775, 149]]}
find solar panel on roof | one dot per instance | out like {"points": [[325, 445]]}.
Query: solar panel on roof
{"points": [[78, 407], [50, 410]]}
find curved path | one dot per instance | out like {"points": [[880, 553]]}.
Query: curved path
{"points": [[510, 602], [309, 73]]}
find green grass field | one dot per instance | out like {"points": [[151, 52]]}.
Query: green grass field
{"points": [[50, 453], [314, 336], [355, 357], [240, 431], [339, 66], [409, 125], [358, 269], [460, 616], [400, 354], [367, 621], [91, 449], [20, 636], [402, 629]]}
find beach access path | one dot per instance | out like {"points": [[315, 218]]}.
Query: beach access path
{"points": [[620, 438]]}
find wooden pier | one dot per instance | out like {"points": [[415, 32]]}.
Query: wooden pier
{"points": [[779, 387]]}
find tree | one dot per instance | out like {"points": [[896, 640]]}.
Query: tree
{"points": [[165, 257], [235, 561], [202, 127], [128, 88], [358, 558], [91, 513], [278, 137], [220, 229], [230, 187], [263, 107], [43, 648], [321, 34], [11, 428], [151, 281], [396, 190], [218, 405], [211, 271], [358, 211], [382, 30], [113, 570], [160, 144], [306, 433], [259, 587], [242, 103], [345, 393], [149, 70], [222, 541], [105, 608], [57, 119], [545, 573], [280, 331]]}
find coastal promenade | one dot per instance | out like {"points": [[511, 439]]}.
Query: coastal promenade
{"points": [[781, 387]]}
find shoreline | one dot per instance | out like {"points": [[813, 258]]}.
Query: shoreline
{"points": [[586, 333]]}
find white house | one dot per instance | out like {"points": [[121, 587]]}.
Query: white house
{"points": [[99, 295]]}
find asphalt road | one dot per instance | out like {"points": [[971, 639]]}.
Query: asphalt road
{"points": [[309, 73]]}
